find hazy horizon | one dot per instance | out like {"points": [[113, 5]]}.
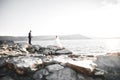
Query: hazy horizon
{"points": [[93, 18]]}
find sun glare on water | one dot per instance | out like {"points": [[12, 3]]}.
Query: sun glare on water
{"points": [[112, 45]]}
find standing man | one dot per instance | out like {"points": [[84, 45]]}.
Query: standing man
{"points": [[29, 37]]}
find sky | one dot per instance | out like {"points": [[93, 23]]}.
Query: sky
{"points": [[94, 18]]}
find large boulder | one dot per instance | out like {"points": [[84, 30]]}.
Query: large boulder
{"points": [[40, 74], [111, 66], [23, 65], [63, 74], [35, 48]]}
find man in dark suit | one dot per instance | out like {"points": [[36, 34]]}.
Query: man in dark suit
{"points": [[29, 37]]}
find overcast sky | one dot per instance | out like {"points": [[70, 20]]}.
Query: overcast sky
{"points": [[98, 18]]}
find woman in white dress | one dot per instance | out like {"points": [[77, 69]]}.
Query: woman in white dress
{"points": [[58, 42]]}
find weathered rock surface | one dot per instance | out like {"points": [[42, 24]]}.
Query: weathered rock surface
{"points": [[40, 75], [85, 66], [113, 54], [54, 67], [63, 51], [63, 74], [110, 65], [21, 61], [2, 62], [23, 65], [52, 47]]}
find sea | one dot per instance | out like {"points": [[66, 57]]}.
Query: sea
{"points": [[85, 46]]}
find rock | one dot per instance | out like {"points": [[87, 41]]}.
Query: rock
{"points": [[54, 67], [31, 49], [86, 77], [3, 68], [52, 47], [113, 54], [99, 72], [36, 47], [111, 66], [4, 47], [40, 75], [46, 52], [6, 78], [85, 66], [80, 77], [63, 51], [47, 60], [62, 59], [2, 62], [24, 64], [22, 47], [63, 74]]}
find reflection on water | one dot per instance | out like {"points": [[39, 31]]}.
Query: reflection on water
{"points": [[84, 46], [113, 44]]}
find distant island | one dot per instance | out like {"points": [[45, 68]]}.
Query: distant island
{"points": [[47, 37]]}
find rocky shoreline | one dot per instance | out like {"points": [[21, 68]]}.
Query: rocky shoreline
{"points": [[21, 61]]}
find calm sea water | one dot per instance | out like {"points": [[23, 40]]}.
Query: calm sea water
{"points": [[86, 46]]}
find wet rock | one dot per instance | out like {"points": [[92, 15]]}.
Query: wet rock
{"points": [[63, 51], [40, 75], [63, 74], [23, 65], [54, 67]]}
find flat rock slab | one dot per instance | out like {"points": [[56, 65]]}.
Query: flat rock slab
{"points": [[22, 64], [52, 47], [63, 51], [85, 66]]}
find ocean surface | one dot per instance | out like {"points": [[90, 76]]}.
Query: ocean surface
{"points": [[85, 46]]}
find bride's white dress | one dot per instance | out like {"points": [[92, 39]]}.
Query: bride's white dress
{"points": [[58, 42]]}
